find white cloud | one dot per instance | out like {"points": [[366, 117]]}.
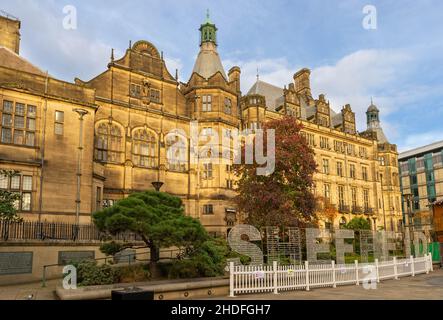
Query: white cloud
{"points": [[351, 80], [173, 64], [275, 71], [421, 139]]}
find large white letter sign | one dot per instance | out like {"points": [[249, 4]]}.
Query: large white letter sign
{"points": [[312, 247], [420, 237], [340, 246], [384, 244], [366, 244], [243, 247]]}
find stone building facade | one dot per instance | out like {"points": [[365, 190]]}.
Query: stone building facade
{"points": [[136, 110]]}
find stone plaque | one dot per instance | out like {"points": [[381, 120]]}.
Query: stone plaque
{"points": [[125, 256], [15, 263], [66, 257]]}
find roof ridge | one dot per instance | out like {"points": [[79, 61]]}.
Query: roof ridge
{"points": [[23, 59]]}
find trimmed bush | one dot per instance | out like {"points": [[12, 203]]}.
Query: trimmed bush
{"points": [[91, 274], [208, 260]]}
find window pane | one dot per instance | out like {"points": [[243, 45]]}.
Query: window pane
{"points": [[27, 183], [26, 202], [20, 109], [15, 182], [7, 120], [32, 111], [6, 135], [19, 122], [59, 116], [17, 202], [31, 124], [58, 130], [19, 137], [7, 106], [4, 182], [30, 139]]}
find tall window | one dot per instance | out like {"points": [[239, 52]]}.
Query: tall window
{"points": [[59, 123], [340, 169], [352, 171], [310, 138], [365, 173], [18, 124], [144, 149], [19, 184], [339, 146], [363, 152], [354, 197], [366, 198], [177, 153], [341, 196], [326, 166], [207, 103], [324, 143], [207, 171], [327, 191], [350, 149], [108, 145], [228, 106]]}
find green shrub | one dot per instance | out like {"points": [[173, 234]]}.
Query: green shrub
{"points": [[134, 273], [208, 260], [91, 274], [111, 248]]}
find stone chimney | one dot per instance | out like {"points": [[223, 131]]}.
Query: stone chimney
{"points": [[302, 81], [234, 76], [9, 32]]}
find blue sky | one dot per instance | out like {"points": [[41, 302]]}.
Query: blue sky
{"points": [[400, 63]]}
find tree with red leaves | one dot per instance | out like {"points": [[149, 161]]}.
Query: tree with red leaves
{"points": [[283, 198]]}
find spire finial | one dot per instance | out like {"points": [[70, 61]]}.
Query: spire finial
{"points": [[372, 101], [207, 16], [112, 55], [258, 74]]}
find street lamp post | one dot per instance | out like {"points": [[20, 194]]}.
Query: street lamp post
{"points": [[82, 113], [408, 198]]}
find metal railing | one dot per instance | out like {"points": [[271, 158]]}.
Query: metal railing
{"points": [[44, 231]]}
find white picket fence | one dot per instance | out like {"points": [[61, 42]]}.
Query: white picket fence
{"points": [[276, 278]]}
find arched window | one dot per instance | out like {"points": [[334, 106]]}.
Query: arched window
{"points": [[177, 153], [343, 222], [144, 150], [108, 143]]}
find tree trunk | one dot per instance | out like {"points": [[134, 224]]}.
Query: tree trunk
{"points": [[153, 266]]}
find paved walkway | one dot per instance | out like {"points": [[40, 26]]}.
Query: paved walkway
{"points": [[31, 291], [424, 287], [421, 287]]}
